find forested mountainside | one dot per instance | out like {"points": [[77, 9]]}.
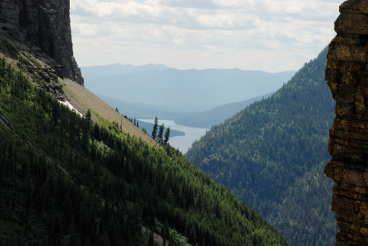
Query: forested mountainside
{"points": [[271, 155], [75, 172], [65, 180]]}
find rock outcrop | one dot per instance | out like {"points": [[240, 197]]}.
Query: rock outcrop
{"points": [[347, 76], [44, 26]]}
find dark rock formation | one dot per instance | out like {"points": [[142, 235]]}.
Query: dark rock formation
{"points": [[347, 76], [44, 25]]}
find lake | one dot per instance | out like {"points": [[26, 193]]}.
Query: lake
{"points": [[183, 143]]}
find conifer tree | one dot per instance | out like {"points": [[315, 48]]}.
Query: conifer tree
{"points": [[167, 136], [155, 129], [160, 137]]}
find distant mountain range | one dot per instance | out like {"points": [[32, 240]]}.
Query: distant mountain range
{"points": [[215, 116], [175, 90], [204, 119]]}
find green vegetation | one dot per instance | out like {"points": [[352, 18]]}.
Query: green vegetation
{"points": [[167, 136], [272, 154], [155, 129], [67, 181], [160, 134]]}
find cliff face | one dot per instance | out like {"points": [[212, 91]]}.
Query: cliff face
{"points": [[347, 76], [44, 26]]}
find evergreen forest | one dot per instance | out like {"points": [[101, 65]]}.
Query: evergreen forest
{"points": [[272, 155], [66, 181]]}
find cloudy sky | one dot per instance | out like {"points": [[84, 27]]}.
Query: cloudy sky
{"points": [[270, 35]]}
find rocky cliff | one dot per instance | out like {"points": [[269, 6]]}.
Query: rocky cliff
{"points": [[44, 26], [347, 76]]}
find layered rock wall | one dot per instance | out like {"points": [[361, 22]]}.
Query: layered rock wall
{"points": [[44, 24], [347, 76]]}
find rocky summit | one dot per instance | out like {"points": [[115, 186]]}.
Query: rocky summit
{"points": [[347, 76], [44, 27]]}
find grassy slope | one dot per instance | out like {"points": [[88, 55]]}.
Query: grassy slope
{"points": [[83, 100], [79, 96]]}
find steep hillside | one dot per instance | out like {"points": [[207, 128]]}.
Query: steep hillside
{"points": [[84, 100], [270, 153], [31, 47], [68, 181], [183, 90], [73, 172]]}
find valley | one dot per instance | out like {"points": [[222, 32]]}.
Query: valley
{"points": [[188, 123], [243, 146]]}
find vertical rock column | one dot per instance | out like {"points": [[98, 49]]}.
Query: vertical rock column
{"points": [[347, 76], [46, 25]]}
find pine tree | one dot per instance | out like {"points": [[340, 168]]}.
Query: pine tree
{"points": [[160, 137], [167, 135], [155, 128]]}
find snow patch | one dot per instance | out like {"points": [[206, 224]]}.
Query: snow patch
{"points": [[67, 104]]}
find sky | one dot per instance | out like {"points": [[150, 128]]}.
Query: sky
{"points": [[268, 35]]}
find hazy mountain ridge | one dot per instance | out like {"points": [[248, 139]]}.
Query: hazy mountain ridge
{"points": [[204, 119], [175, 90], [216, 115]]}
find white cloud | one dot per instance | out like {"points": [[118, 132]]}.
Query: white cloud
{"points": [[271, 35]]}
